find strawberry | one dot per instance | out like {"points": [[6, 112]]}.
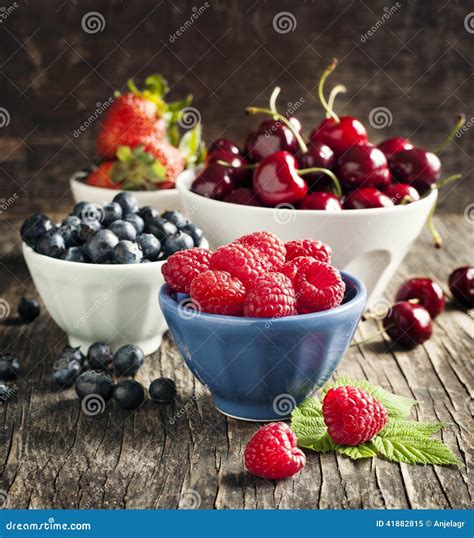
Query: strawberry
{"points": [[102, 176], [167, 155]]}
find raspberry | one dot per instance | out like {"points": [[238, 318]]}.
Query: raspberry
{"points": [[242, 262], [272, 296], [291, 268], [352, 416], [318, 287], [217, 292], [272, 452], [308, 247], [183, 266], [269, 246]]}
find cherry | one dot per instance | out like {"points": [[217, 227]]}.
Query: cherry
{"points": [[461, 284], [242, 196], [363, 165], [236, 162], [366, 198], [276, 180], [223, 144], [270, 137], [429, 294], [339, 133], [393, 145], [417, 167], [326, 201], [401, 193], [214, 181], [408, 324], [318, 155]]}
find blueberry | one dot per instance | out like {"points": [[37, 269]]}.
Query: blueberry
{"points": [[196, 233], [5, 392], [179, 241], [129, 394], [78, 209], [150, 246], [73, 221], [28, 309], [162, 390], [51, 244], [148, 213], [160, 228], [99, 356], [177, 218], [88, 228], [100, 246], [127, 252], [123, 230], [136, 221], [65, 371], [73, 354], [94, 382], [9, 367], [90, 213], [34, 227], [70, 234], [75, 254], [128, 359], [127, 202], [110, 213]]}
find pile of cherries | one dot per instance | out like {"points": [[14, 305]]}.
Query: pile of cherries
{"points": [[338, 168]]}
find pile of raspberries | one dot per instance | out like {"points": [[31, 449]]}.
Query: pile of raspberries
{"points": [[257, 276]]}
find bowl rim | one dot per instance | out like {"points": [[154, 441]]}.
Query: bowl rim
{"points": [[183, 183], [359, 299], [73, 181]]}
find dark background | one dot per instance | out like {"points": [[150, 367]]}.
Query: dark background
{"points": [[418, 64]]}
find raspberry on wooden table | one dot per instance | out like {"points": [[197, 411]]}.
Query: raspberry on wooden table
{"points": [[308, 247], [272, 296], [272, 452], [269, 246], [183, 266], [217, 292]]}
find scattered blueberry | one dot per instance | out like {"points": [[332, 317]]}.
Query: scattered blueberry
{"points": [[100, 246], [73, 354], [177, 218], [28, 309], [136, 221], [150, 246], [9, 367], [127, 252], [110, 213], [160, 228], [162, 390], [128, 360], [51, 244], [65, 371], [34, 227], [129, 394], [127, 202], [123, 230], [179, 241], [148, 213], [196, 233], [99, 356], [75, 254], [88, 228], [94, 382]]}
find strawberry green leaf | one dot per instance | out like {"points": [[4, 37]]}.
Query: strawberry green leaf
{"points": [[190, 144], [124, 153], [357, 452], [157, 85]]}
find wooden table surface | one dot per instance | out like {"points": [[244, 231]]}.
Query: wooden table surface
{"points": [[190, 456]]}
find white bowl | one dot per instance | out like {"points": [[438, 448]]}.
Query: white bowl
{"points": [[160, 200], [116, 304], [367, 243]]}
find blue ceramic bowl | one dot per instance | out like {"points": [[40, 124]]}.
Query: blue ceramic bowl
{"points": [[261, 368]]}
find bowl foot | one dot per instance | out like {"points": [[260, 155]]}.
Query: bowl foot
{"points": [[148, 346], [248, 412]]}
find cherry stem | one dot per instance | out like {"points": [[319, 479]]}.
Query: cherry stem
{"points": [[406, 200], [445, 181], [337, 185], [284, 120], [322, 80], [437, 239], [369, 338], [273, 98], [230, 165], [460, 121], [339, 88]]}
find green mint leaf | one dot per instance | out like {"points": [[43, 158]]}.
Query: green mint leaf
{"points": [[406, 428], [414, 450], [396, 406], [190, 144], [357, 452]]}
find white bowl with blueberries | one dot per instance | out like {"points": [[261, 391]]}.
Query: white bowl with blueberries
{"points": [[99, 271]]}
